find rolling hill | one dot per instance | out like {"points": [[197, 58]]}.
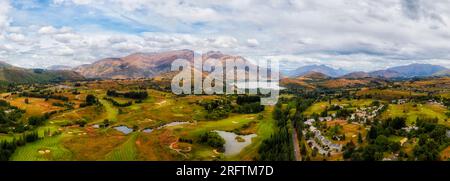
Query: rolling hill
{"points": [[12, 74], [316, 68], [418, 70], [405, 71]]}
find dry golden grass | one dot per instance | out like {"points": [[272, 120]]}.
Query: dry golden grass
{"points": [[35, 106], [93, 146], [350, 130], [445, 154], [155, 146], [341, 83], [388, 93], [296, 82]]}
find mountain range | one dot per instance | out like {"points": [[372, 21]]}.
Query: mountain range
{"points": [[136, 65], [150, 65], [146, 65], [404, 71]]}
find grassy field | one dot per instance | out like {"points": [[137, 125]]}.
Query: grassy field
{"points": [[111, 111], [265, 129], [389, 94], [35, 106], [125, 152], [163, 108], [33, 151], [155, 145], [412, 112], [321, 106], [349, 130]]}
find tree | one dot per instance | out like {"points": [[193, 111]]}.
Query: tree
{"points": [[360, 140], [91, 100], [303, 149], [212, 139], [36, 120], [314, 152]]}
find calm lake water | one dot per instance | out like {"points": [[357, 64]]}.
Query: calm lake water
{"points": [[124, 129], [148, 130], [232, 146], [256, 85]]}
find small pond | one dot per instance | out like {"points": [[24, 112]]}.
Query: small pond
{"points": [[124, 129], [232, 145], [148, 130]]}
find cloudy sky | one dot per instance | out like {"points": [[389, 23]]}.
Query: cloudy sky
{"points": [[354, 35]]}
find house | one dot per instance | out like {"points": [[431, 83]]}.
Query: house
{"points": [[313, 145], [309, 122], [312, 129], [329, 118], [409, 128], [336, 147]]}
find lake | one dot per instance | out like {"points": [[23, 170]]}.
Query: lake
{"points": [[232, 146], [123, 129]]}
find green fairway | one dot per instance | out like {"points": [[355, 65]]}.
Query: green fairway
{"points": [[125, 152], [412, 112], [36, 151], [111, 111]]}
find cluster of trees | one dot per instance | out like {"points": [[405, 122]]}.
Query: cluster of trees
{"points": [[9, 117], [432, 139], [245, 99], [249, 108], [344, 113], [185, 140], [90, 100], [378, 142], [279, 147], [36, 120], [132, 94], [7, 148], [40, 120], [44, 96], [221, 108], [446, 102], [212, 139], [217, 108], [118, 104], [248, 104]]}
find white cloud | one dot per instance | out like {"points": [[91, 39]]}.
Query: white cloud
{"points": [[64, 51], [4, 10], [47, 30], [343, 33], [16, 37], [252, 42]]}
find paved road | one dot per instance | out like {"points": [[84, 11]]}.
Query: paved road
{"points": [[296, 145]]}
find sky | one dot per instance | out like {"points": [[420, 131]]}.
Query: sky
{"points": [[361, 35]]}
